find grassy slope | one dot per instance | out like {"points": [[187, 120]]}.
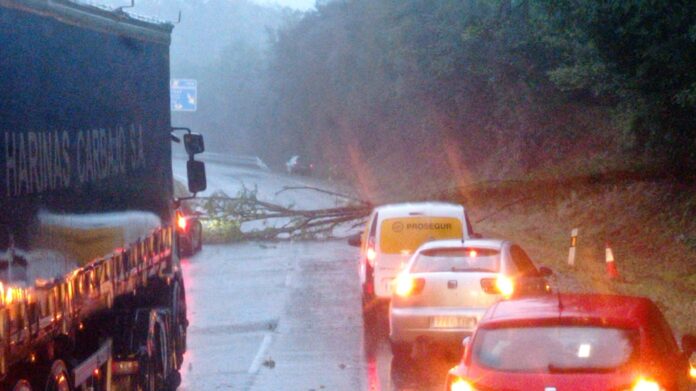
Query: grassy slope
{"points": [[651, 227]]}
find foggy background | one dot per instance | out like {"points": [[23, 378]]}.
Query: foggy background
{"points": [[224, 45], [403, 96]]}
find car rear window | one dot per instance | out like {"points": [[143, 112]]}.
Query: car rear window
{"points": [[556, 349], [462, 259], [404, 235]]}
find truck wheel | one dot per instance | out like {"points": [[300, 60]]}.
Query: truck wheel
{"points": [[22, 385], [178, 308], [58, 377], [149, 378]]}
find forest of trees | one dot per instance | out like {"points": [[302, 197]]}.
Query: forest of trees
{"points": [[449, 90], [484, 88]]}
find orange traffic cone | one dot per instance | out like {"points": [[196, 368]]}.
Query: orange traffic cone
{"points": [[612, 271]]}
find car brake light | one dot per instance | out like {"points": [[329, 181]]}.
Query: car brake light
{"points": [[692, 371], [181, 221], [459, 384], [405, 286], [505, 286], [643, 384], [124, 367], [500, 285]]}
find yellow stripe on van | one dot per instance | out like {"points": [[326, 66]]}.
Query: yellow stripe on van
{"points": [[406, 234], [82, 245]]}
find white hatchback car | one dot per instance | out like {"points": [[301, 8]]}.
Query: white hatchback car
{"points": [[448, 285]]}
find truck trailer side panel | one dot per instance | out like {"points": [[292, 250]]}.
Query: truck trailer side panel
{"points": [[84, 125], [85, 152]]}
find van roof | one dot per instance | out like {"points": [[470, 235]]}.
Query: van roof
{"points": [[419, 208]]}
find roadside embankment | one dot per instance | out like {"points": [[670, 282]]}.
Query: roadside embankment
{"points": [[650, 226]]}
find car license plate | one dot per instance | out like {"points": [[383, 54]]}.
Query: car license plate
{"points": [[452, 322]]}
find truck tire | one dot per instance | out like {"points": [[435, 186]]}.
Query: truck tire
{"points": [[151, 372], [58, 378], [180, 323], [20, 378], [149, 377], [22, 385]]}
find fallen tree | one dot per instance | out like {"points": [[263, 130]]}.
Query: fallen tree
{"points": [[246, 217]]}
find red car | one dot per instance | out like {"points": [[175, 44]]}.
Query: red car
{"points": [[573, 342]]}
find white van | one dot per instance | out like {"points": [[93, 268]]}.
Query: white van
{"points": [[393, 232]]}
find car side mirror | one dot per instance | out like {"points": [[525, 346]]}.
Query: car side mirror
{"points": [[193, 142], [689, 344], [355, 240], [195, 171], [545, 271]]}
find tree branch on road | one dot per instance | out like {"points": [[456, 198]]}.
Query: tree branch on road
{"points": [[223, 217]]}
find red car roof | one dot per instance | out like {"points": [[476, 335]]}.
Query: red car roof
{"points": [[591, 308]]}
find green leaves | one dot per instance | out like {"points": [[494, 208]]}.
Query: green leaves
{"points": [[508, 84]]}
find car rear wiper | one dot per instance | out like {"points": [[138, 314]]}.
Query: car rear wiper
{"points": [[558, 369], [471, 269]]}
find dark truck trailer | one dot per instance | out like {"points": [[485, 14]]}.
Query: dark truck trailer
{"points": [[85, 145]]}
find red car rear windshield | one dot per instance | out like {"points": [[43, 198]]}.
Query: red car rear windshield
{"points": [[467, 259], [555, 349]]}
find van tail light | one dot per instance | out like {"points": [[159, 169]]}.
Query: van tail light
{"points": [[643, 384], [122, 368], [500, 285], [181, 222], [459, 384], [371, 253], [406, 286]]}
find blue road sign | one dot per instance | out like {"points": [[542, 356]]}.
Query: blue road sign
{"points": [[184, 94]]}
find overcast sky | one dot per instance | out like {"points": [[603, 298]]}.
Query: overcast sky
{"points": [[302, 5]]}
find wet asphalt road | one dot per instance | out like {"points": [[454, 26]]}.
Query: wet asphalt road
{"points": [[287, 315]]}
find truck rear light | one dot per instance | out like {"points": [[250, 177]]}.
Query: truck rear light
{"points": [[406, 286], [120, 368]]}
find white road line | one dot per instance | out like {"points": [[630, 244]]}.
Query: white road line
{"points": [[258, 360]]}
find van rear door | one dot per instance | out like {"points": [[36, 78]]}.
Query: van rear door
{"points": [[399, 237]]}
